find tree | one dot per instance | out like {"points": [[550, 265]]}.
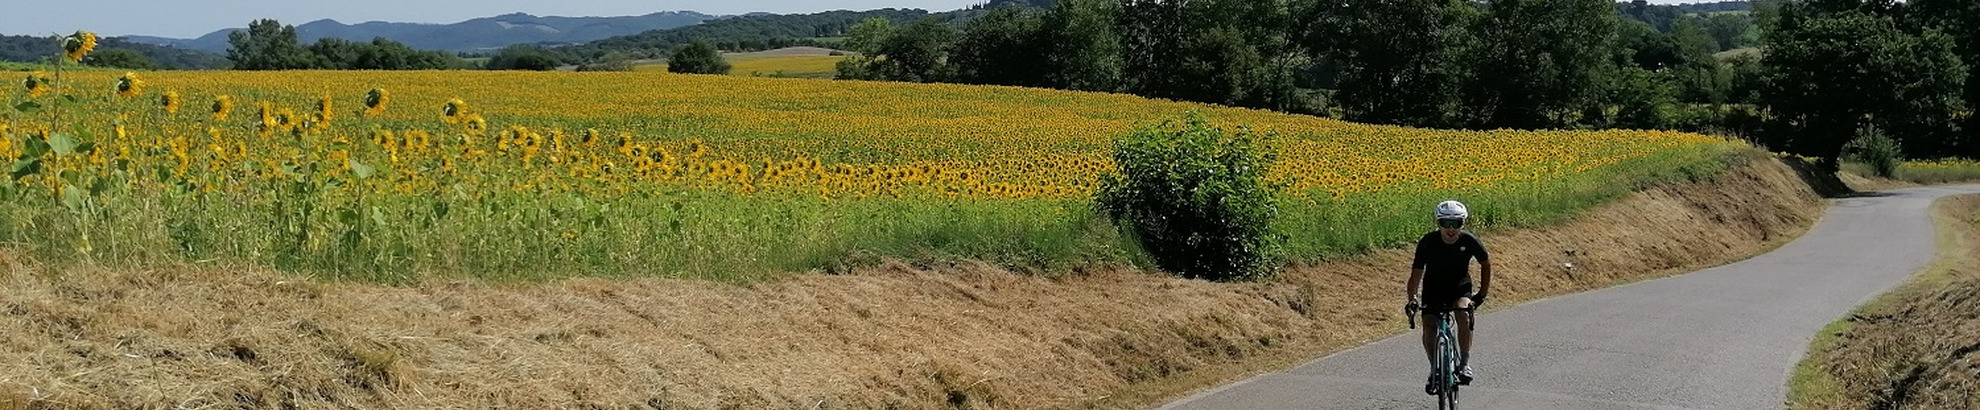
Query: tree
{"points": [[1233, 52], [1698, 76], [916, 53], [697, 57], [336, 53], [1961, 20], [1642, 98], [268, 45], [1399, 61], [1004, 47], [1084, 45], [866, 38], [1833, 72], [1730, 30], [1541, 62], [119, 58], [524, 57]]}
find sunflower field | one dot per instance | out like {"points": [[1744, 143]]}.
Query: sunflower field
{"points": [[400, 176]]}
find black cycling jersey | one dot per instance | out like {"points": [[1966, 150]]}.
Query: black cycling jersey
{"points": [[1447, 266]]}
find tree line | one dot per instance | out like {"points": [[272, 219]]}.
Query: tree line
{"points": [[1830, 67], [113, 52]]}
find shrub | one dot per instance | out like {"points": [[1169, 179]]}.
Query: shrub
{"points": [[1195, 197], [698, 57], [1871, 147]]}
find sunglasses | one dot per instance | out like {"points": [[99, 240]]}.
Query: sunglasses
{"points": [[1450, 223]]}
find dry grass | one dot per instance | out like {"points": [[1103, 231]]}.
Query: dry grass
{"points": [[961, 335], [1916, 347]]}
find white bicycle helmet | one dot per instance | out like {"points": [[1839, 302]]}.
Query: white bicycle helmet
{"points": [[1452, 210]]}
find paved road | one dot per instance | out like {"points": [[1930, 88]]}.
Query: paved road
{"points": [[1722, 338]]}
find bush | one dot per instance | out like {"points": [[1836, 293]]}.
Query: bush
{"points": [[1195, 197], [697, 57], [1880, 152]]}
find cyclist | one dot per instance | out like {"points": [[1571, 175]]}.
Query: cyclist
{"points": [[1442, 272]]}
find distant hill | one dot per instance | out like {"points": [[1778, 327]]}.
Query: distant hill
{"points": [[1715, 7], [751, 32], [477, 34], [28, 49]]}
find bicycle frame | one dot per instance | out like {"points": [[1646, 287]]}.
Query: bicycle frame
{"points": [[1447, 356]]}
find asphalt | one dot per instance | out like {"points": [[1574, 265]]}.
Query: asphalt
{"points": [[1721, 338]]}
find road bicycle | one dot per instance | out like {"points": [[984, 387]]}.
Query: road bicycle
{"points": [[1446, 378]]}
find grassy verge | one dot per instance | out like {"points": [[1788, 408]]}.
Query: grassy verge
{"points": [[1926, 172], [1911, 347], [327, 232], [1326, 229]]}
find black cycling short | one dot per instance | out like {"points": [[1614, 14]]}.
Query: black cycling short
{"points": [[1444, 298]]}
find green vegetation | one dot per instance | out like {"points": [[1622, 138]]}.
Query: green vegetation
{"points": [[697, 57], [269, 45], [1195, 197], [29, 49]]}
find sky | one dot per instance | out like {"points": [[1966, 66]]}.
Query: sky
{"points": [[194, 18]]}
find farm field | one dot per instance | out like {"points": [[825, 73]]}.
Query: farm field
{"points": [[796, 62], [534, 176]]}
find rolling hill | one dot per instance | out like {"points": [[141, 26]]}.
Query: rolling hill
{"points": [[476, 34]]}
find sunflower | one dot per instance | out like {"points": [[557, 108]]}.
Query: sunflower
{"points": [[170, 101], [323, 110], [267, 114], [476, 124], [79, 44], [37, 84], [375, 101], [287, 118], [222, 105], [454, 110], [129, 85]]}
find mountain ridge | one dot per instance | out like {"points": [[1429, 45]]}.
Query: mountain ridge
{"points": [[481, 33]]}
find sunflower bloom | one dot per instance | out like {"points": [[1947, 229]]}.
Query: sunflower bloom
{"points": [[78, 45], [476, 124], [267, 114], [129, 85], [323, 110], [221, 106], [36, 84], [454, 110], [170, 101], [375, 101]]}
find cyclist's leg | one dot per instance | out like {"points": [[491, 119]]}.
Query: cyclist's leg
{"points": [[1429, 326], [1464, 333]]}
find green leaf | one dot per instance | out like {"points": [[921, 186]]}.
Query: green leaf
{"points": [[27, 106], [26, 167], [86, 148], [34, 147], [99, 186], [377, 217], [72, 197], [62, 144], [360, 169]]}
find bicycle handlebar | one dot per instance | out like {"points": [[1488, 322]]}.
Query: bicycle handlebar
{"points": [[1425, 311]]}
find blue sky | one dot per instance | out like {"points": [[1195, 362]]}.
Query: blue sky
{"points": [[192, 18]]}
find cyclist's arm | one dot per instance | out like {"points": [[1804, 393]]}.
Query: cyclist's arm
{"points": [[1416, 265], [1415, 282], [1484, 264]]}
